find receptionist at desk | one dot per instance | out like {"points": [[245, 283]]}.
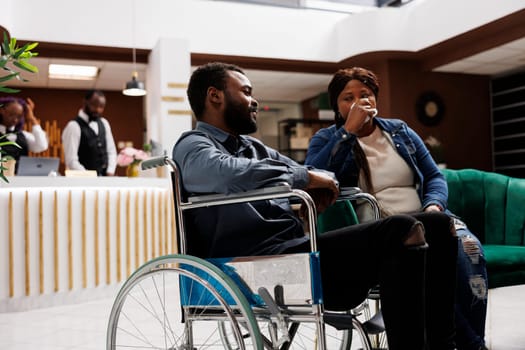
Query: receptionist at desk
{"points": [[14, 113]]}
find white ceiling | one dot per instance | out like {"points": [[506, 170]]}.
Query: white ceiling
{"points": [[272, 86]]}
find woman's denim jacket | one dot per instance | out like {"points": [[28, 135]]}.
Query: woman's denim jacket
{"points": [[331, 149]]}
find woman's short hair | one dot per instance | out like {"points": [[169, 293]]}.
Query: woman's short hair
{"points": [[343, 76]]}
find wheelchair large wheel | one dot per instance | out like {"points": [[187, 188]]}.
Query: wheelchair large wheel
{"points": [[175, 302]]}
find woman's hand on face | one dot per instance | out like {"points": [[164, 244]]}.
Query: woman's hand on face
{"points": [[360, 113]]}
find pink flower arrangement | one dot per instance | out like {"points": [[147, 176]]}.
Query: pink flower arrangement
{"points": [[130, 155]]}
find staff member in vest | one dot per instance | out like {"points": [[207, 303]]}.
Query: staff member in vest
{"points": [[14, 113], [87, 139]]}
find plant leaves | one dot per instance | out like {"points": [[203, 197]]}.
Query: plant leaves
{"points": [[8, 90], [26, 66], [8, 77], [5, 45], [2, 176], [9, 143]]}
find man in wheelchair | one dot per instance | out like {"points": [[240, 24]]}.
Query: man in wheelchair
{"points": [[217, 157]]}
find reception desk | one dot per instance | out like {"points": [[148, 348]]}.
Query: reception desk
{"points": [[62, 239]]}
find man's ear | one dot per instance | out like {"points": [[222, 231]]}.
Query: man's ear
{"points": [[215, 95]]}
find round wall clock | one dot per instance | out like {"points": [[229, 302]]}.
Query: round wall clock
{"points": [[430, 108]]}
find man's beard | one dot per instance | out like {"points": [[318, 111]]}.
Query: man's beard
{"points": [[91, 115], [238, 117]]}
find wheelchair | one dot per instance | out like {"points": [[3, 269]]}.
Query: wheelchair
{"points": [[183, 302]]}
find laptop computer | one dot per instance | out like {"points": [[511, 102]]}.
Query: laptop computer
{"points": [[37, 166]]}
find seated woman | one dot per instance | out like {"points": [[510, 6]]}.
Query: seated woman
{"points": [[14, 112], [389, 160]]}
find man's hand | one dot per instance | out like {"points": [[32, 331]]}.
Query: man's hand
{"points": [[323, 188]]}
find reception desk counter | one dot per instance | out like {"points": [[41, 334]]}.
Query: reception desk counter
{"points": [[63, 238]]}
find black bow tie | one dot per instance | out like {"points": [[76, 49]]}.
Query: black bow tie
{"points": [[93, 119]]}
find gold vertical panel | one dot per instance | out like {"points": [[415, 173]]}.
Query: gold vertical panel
{"points": [[41, 242], [161, 231], [108, 241], [153, 255], [55, 239], [128, 233], [11, 245], [84, 241], [119, 257], [145, 217], [97, 272], [137, 231], [70, 239], [26, 243]]}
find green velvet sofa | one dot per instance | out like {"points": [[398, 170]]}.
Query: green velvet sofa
{"points": [[493, 206]]}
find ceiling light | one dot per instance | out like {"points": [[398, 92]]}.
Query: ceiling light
{"points": [[73, 72], [134, 87]]}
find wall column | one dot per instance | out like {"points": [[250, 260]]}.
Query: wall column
{"points": [[168, 110]]}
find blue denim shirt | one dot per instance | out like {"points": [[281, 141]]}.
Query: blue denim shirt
{"points": [[331, 149], [212, 161]]}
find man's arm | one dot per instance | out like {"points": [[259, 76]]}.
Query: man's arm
{"points": [[71, 142], [206, 168], [111, 149]]}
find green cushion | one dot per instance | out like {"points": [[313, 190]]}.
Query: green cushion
{"points": [[339, 215], [504, 257], [491, 204], [505, 265]]}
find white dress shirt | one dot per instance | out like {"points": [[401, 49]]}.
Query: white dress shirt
{"points": [[71, 142]]}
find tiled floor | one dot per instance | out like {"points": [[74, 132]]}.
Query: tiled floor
{"points": [[83, 326]]}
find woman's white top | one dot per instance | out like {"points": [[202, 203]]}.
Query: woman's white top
{"points": [[392, 178]]}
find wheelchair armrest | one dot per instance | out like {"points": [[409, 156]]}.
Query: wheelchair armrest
{"points": [[211, 198], [275, 192], [355, 193]]}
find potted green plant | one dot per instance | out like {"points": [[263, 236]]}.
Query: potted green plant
{"points": [[13, 60]]}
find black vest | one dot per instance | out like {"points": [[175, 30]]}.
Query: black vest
{"points": [[14, 151], [92, 151]]}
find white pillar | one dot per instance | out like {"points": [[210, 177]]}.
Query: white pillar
{"points": [[168, 109]]}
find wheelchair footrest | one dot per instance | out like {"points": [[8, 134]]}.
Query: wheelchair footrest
{"points": [[375, 325], [339, 321]]}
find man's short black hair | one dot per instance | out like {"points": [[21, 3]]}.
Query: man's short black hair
{"points": [[211, 74], [92, 92]]}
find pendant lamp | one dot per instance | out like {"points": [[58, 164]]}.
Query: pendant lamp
{"points": [[134, 87]]}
